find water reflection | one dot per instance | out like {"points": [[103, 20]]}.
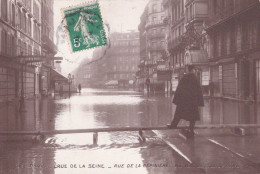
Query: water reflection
{"points": [[101, 108], [223, 111]]}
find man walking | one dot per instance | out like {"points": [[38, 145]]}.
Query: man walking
{"points": [[79, 88], [187, 98]]}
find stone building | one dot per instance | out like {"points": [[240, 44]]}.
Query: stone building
{"points": [[123, 58], [234, 31], [187, 39], [21, 48], [113, 65], [152, 31]]}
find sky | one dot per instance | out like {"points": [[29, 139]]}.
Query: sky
{"points": [[120, 15]]}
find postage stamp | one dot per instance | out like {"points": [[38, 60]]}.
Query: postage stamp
{"points": [[84, 26]]}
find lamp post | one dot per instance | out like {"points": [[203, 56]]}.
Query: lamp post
{"points": [[23, 69], [69, 79]]}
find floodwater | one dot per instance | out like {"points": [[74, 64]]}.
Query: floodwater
{"points": [[116, 152]]}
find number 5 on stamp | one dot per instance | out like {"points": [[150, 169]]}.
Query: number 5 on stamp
{"points": [[84, 26]]}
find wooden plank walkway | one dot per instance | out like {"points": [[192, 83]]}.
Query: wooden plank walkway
{"points": [[121, 129]]}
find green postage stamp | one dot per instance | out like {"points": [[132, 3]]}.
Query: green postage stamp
{"points": [[84, 26]]}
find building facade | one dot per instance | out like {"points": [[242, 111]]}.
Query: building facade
{"points": [[187, 39], [234, 31], [113, 65], [21, 42], [123, 58], [221, 38], [152, 31]]}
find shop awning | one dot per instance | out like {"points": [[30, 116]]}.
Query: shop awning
{"points": [[58, 77]]}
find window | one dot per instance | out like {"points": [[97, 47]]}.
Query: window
{"points": [[154, 8], [29, 26], [29, 50], [19, 47], [13, 51], [163, 30], [34, 31], [258, 77], [4, 9], [24, 22], [9, 45], [153, 44], [154, 19], [238, 38], [3, 42], [24, 48], [163, 44], [218, 45], [13, 15], [19, 21], [228, 39], [35, 10]]}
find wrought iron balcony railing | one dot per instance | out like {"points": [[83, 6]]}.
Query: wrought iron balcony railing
{"points": [[154, 23]]}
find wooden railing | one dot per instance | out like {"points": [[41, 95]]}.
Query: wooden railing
{"points": [[122, 129]]}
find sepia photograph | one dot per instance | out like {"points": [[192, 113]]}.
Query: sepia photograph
{"points": [[129, 86]]}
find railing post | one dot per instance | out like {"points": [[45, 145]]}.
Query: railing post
{"points": [[95, 138], [141, 136]]}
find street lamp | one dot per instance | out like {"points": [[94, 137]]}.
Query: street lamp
{"points": [[23, 68], [69, 80]]}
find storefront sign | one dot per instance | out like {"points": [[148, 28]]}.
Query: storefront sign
{"points": [[205, 78], [174, 84]]}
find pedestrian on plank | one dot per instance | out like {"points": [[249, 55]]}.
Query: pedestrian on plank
{"points": [[187, 98]]}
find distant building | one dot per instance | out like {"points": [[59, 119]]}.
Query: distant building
{"points": [[123, 58], [115, 64], [152, 30]]}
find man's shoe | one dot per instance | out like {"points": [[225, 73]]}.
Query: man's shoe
{"points": [[171, 126]]}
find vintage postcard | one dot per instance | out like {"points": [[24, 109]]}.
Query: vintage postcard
{"points": [[129, 86]]}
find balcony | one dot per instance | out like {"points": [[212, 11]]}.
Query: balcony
{"points": [[156, 35], [154, 23]]}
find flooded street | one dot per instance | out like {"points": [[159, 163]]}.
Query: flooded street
{"points": [[116, 152]]}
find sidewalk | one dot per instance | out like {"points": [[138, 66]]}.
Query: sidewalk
{"points": [[216, 151]]}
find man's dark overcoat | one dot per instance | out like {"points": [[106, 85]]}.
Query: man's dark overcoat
{"points": [[188, 96]]}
